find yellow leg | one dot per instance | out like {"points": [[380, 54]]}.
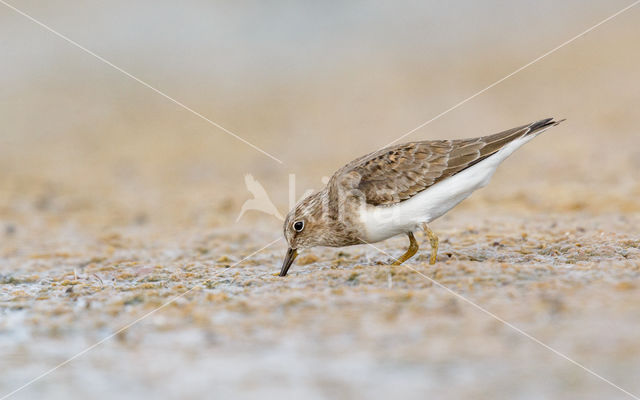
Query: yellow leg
{"points": [[413, 248], [433, 239]]}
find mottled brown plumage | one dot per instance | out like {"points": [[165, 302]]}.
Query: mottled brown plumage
{"points": [[399, 172], [386, 178]]}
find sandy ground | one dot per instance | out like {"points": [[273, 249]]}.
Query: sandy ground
{"points": [[118, 210], [344, 324]]}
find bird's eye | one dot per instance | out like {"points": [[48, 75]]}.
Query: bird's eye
{"points": [[298, 226]]}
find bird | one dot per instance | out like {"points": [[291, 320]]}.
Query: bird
{"points": [[399, 190], [261, 200]]}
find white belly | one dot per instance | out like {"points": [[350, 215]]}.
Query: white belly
{"points": [[383, 222]]}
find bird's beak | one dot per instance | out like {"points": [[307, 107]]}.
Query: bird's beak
{"points": [[288, 260]]}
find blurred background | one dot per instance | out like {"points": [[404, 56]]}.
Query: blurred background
{"points": [[97, 171]]}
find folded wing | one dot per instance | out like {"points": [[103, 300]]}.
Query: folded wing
{"points": [[399, 172]]}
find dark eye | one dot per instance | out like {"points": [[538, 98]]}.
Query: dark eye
{"points": [[298, 226]]}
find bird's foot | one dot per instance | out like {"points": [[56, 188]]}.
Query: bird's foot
{"points": [[433, 239]]}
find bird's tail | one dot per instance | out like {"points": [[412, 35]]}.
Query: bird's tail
{"points": [[542, 125]]}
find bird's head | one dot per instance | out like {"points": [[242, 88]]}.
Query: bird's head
{"points": [[306, 226]]}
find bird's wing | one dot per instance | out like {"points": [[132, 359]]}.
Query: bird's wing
{"points": [[397, 173]]}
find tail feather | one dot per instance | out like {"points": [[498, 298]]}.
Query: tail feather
{"points": [[496, 142], [542, 124]]}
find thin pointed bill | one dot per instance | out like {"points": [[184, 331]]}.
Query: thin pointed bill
{"points": [[288, 260]]}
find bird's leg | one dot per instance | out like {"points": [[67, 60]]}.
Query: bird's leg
{"points": [[433, 239], [413, 248]]}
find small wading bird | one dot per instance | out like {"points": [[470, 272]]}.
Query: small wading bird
{"points": [[398, 190]]}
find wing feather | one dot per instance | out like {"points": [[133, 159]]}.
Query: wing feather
{"points": [[397, 173]]}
